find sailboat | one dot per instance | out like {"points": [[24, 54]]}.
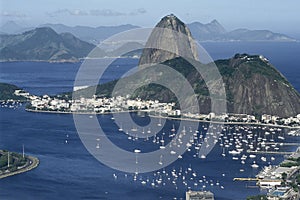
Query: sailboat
{"points": [[223, 154], [173, 128], [159, 121], [121, 129]]}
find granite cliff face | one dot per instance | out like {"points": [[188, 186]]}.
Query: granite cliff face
{"points": [[171, 34]]}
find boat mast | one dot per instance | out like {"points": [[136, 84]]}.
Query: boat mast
{"points": [[23, 151], [8, 159]]}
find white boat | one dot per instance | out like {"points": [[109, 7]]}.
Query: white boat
{"points": [[121, 129], [244, 157], [159, 122], [281, 138], [254, 165], [173, 152], [234, 152], [173, 128], [252, 156], [272, 158], [263, 158], [137, 151], [223, 152], [134, 129]]}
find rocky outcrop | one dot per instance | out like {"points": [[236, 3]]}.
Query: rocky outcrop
{"points": [[252, 84], [169, 39], [256, 87]]}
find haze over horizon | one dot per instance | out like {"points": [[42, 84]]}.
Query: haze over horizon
{"points": [[272, 15]]}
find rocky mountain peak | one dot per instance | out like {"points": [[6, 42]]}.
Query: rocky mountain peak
{"points": [[169, 34]]}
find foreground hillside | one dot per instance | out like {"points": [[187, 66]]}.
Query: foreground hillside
{"points": [[253, 86]]}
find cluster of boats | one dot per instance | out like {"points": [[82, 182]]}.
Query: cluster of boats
{"points": [[244, 144], [11, 104]]}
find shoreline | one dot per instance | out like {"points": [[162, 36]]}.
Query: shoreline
{"points": [[34, 163], [75, 61], [171, 118]]}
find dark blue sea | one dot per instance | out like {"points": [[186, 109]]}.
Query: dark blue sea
{"points": [[68, 171]]}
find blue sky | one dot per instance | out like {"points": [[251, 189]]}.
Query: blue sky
{"points": [[275, 15]]}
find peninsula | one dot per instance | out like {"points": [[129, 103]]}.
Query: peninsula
{"points": [[12, 163]]}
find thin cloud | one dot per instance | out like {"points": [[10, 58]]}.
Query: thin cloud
{"points": [[75, 12], [12, 14], [57, 12], [106, 12], [96, 12], [78, 12], [139, 11]]}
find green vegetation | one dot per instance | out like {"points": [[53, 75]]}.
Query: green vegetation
{"points": [[43, 44], [292, 162], [15, 160], [7, 92], [288, 164], [298, 178]]}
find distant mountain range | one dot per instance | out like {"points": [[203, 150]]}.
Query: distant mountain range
{"points": [[43, 44], [212, 31], [57, 42], [89, 34]]}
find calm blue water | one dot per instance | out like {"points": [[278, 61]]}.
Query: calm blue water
{"points": [[68, 171], [53, 78]]}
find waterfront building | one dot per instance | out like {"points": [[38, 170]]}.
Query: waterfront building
{"points": [[199, 195], [283, 193]]}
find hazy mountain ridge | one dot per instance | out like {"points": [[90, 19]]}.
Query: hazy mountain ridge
{"points": [[43, 44], [90, 34], [212, 31]]}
